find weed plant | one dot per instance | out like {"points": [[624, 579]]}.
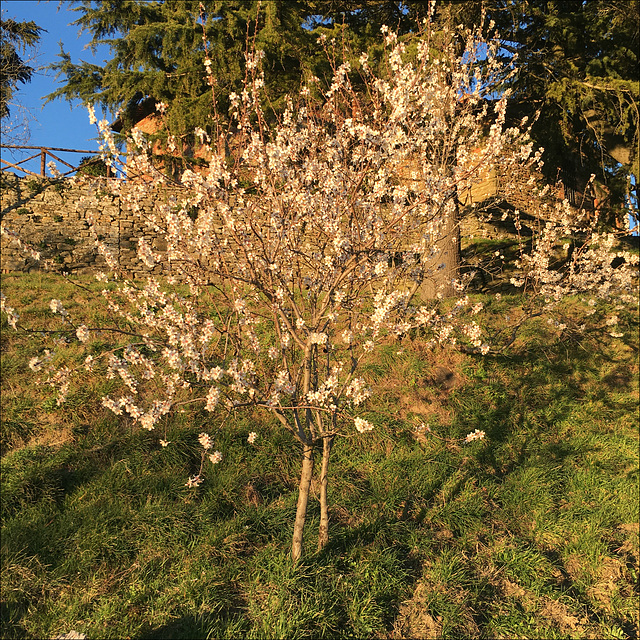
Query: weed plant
{"points": [[532, 533]]}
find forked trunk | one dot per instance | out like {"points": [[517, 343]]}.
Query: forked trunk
{"points": [[323, 533], [303, 500]]}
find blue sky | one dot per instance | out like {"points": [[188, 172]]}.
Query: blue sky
{"points": [[57, 124]]}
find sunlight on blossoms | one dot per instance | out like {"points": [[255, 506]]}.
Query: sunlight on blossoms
{"points": [[205, 440], [274, 271], [362, 425], [475, 435], [215, 457]]}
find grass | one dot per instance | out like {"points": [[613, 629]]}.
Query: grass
{"points": [[532, 533]]}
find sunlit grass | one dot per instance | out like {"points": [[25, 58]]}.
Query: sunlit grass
{"points": [[532, 533]]}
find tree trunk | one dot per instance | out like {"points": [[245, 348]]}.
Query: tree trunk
{"points": [[444, 266], [303, 500], [323, 533]]}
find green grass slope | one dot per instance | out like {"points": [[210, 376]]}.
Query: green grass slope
{"points": [[530, 533]]}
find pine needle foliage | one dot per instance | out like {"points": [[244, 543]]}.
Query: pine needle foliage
{"points": [[158, 51], [15, 38]]}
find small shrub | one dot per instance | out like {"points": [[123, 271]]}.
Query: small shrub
{"points": [[35, 186], [92, 166]]}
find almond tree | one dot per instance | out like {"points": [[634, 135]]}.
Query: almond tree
{"points": [[311, 243]]}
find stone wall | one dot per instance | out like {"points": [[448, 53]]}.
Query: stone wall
{"points": [[52, 216]]}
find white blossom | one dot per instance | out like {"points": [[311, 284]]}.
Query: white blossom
{"points": [[194, 481], [205, 440], [56, 307], [215, 457], [474, 435], [212, 398], [363, 425]]}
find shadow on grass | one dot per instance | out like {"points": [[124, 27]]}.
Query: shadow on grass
{"points": [[189, 626], [521, 414], [225, 623]]}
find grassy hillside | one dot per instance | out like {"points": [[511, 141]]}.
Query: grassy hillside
{"points": [[531, 533]]}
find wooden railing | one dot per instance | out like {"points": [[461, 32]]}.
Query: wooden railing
{"points": [[43, 152]]}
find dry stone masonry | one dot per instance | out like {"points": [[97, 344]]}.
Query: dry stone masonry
{"points": [[53, 216]]}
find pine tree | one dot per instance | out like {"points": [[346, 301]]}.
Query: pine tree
{"points": [[579, 65], [577, 75], [159, 49], [15, 38]]}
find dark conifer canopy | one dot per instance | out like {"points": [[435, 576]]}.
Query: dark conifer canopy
{"points": [[15, 37], [577, 63], [158, 52]]}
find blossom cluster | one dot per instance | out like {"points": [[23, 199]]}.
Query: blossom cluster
{"points": [[12, 315], [474, 435], [290, 258]]}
